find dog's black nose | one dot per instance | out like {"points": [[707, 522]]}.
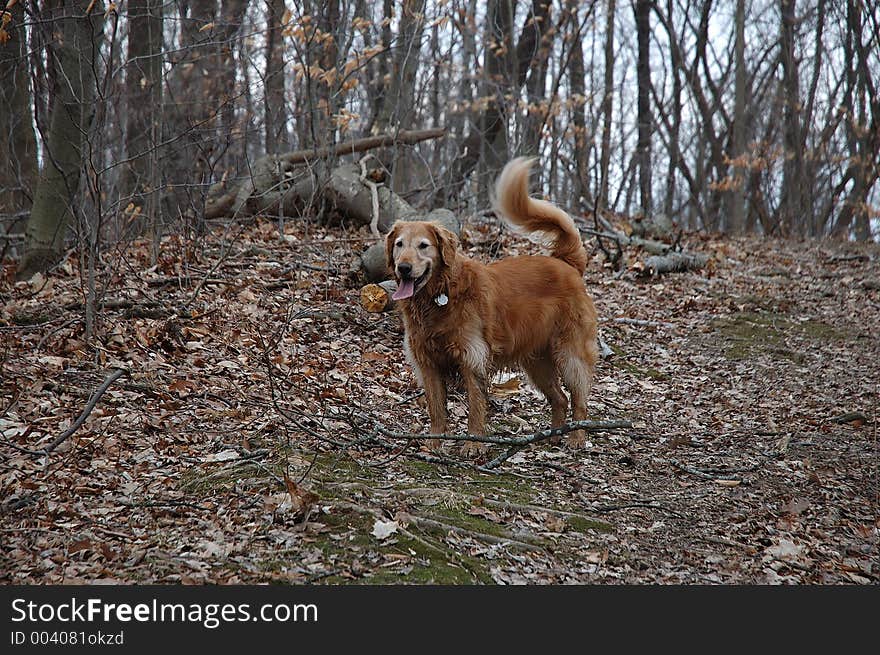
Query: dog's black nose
{"points": [[404, 270]]}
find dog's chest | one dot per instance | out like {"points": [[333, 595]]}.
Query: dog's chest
{"points": [[448, 344]]}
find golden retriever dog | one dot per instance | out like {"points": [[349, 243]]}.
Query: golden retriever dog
{"points": [[472, 319]]}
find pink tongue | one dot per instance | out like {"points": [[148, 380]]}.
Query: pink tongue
{"points": [[405, 290]]}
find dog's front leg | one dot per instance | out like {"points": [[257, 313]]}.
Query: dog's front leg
{"points": [[477, 391], [435, 395]]}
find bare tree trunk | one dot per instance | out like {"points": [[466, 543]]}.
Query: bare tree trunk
{"points": [[321, 52], [43, 68], [582, 143], [398, 108], [436, 110], [793, 203], [497, 59], [487, 123], [399, 102], [813, 225], [381, 78], [56, 191], [277, 137], [536, 91], [467, 27], [234, 139], [645, 121], [192, 116], [607, 105], [18, 165], [672, 118], [143, 93], [863, 133], [736, 195]]}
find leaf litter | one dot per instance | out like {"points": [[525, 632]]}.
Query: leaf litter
{"points": [[244, 445]]}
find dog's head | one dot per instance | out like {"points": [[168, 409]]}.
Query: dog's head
{"points": [[418, 253]]}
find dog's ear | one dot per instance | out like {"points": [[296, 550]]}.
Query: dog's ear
{"points": [[447, 244], [389, 246]]}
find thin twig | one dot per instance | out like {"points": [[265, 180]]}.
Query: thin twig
{"points": [[503, 504], [447, 528], [648, 505], [643, 323], [374, 194], [543, 435], [703, 474], [61, 438]]}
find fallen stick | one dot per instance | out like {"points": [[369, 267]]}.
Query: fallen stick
{"points": [[506, 505], [643, 323], [439, 527], [543, 435], [61, 438], [637, 505], [707, 475], [504, 539]]}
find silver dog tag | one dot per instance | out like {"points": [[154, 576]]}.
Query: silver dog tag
{"points": [[441, 299]]}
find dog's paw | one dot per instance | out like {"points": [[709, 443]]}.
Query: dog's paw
{"points": [[432, 444], [576, 440], [474, 449]]}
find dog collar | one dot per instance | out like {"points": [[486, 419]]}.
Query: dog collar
{"points": [[441, 300]]}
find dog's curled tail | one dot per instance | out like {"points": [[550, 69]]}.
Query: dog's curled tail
{"points": [[528, 214]]}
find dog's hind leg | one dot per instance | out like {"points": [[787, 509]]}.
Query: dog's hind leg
{"points": [[543, 374], [577, 364]]}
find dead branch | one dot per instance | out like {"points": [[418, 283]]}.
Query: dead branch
{"points": [[635, 505], [115, 375], [504, 537], [507, 505], [404, 138], [850, 417], [708, 475], [643, 323], [115, 303], [439, 527], [543, 435], [665, 257]]}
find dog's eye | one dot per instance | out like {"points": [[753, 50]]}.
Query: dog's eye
{"points": [[398, 243], [422, 246]]}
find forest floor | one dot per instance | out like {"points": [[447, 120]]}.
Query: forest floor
{"points": [[243, 446]]}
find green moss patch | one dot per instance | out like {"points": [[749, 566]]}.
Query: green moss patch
{"points": [[751, 334]]}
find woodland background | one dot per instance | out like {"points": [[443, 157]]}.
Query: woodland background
{"points": [[192, 196], [734, 117]]}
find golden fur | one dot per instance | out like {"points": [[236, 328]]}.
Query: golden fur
{"points": [[528, 312]]}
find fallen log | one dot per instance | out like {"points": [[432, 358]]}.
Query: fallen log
{"points": [[376, 298], [674, 262], [648, 245], [288, 182]]}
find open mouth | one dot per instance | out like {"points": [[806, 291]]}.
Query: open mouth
{"points": [[408, 286]]}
